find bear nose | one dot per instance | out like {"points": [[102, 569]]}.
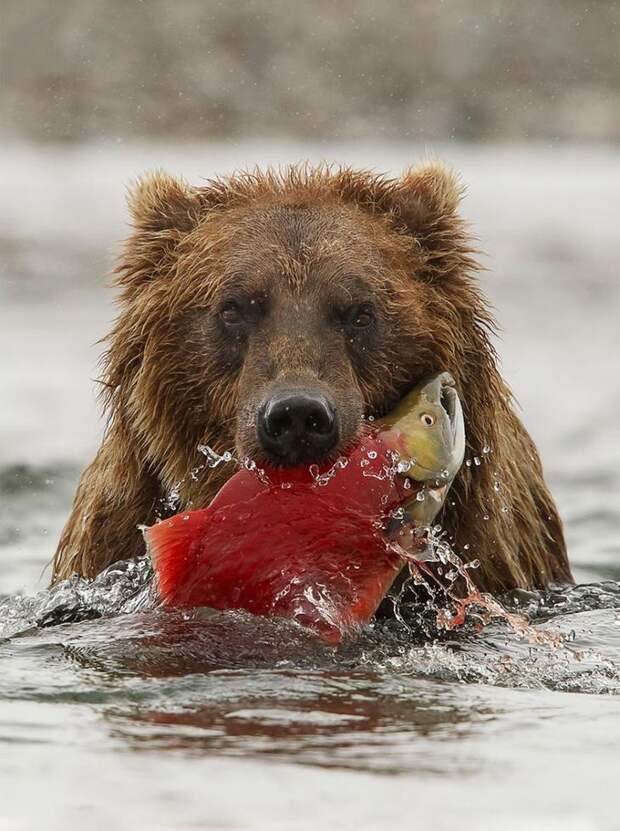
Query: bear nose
{"points": [[295, 427]]}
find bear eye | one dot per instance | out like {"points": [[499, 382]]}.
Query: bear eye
{"points": [[231, 314], [427, 419], [361, 316]]}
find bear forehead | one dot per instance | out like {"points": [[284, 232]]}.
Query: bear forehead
{"points": [[300, 243]]}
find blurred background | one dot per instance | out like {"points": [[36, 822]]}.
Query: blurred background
{"points": [[490, 70], [523, 99]]}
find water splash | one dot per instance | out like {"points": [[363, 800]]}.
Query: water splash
{"points": [[452, 595], [322, 479], [171, 502], [213, 458], [124, 587], [565, 638]]}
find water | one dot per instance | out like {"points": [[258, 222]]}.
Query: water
{"points": [[212, 720]]}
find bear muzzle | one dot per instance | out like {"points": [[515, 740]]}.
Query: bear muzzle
{"points": [[297, 426]]}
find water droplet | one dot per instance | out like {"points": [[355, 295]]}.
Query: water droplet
{"points": [[467, 462], [213, 457], [421, 496], [496, 486], [477, 461], [485, 517], [372, 454], [486, 449]]}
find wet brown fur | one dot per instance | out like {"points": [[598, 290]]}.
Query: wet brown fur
{"points": [[297, 237]]}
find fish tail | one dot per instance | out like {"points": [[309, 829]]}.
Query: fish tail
{"points": [[172, 545]]}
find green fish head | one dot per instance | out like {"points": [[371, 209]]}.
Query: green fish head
{"points": [[427, 430]]}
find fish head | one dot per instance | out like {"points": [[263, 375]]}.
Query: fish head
{"points": [[427, 431]]}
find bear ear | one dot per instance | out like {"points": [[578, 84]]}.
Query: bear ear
{"points": [[424, 202], [159, 202], [164, 210], [427, 195]]}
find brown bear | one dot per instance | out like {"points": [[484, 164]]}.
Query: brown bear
{"points": [[271, 313]]}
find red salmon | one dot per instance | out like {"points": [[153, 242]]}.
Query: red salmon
{"points": [[307, 544]]}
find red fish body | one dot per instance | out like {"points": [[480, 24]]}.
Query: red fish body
{"points": [[288, 543], [311, 544]]}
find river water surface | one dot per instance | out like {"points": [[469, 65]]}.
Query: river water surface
{"points": [[210, 720]]}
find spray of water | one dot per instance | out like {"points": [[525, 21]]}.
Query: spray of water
{"points": [[171, 502], [453, 596]]}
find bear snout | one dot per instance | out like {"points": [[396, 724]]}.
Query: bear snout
{"points": [[297, 426]]}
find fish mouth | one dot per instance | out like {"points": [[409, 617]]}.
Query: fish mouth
{"points": [[442, 391], [449, 400], [451, 403]]}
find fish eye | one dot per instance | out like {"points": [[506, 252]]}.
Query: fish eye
{"points": [[427, 419], [231, 314]]}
